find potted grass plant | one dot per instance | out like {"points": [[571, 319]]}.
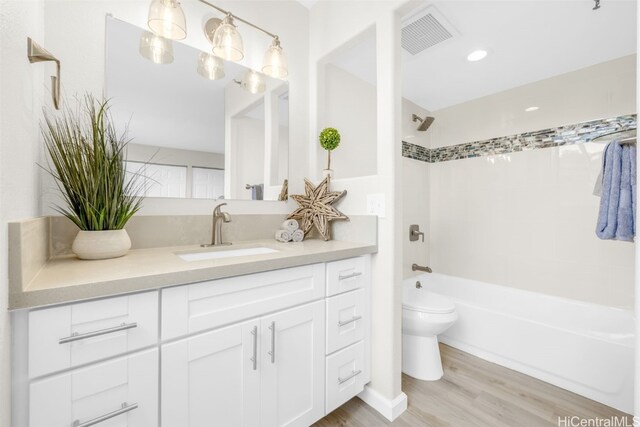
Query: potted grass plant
{"points": [[87, 161], [329, 140]]}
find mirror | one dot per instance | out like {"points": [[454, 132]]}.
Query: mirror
{"points": [[200, 127]]}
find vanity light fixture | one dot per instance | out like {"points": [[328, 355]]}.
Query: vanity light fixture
{"points": [[477, 55], [166, 19], [155, 48], [210, 66], [530, 109]]}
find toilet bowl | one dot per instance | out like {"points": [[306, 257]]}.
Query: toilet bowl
{"points": [[425, 314]]}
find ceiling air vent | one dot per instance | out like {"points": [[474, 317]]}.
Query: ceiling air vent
{"points": [[423, 30]]}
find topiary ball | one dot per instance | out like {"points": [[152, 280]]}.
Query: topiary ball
{"points": [[329, 139]]}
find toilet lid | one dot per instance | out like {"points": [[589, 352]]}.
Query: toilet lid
{"points": [[427, 302]]}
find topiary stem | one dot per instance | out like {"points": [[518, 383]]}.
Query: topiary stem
{"points": [[328, 159]]}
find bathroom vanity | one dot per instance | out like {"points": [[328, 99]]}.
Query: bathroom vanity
{"points": [[276, 347]]}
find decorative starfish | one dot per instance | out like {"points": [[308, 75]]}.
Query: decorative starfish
{"points": [[315, 208]]}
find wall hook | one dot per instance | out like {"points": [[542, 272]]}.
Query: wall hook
{"points": [[37, 53]]}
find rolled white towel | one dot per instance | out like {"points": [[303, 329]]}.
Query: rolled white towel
{"points": [[297, 236], [283, 236], [290, 225]]}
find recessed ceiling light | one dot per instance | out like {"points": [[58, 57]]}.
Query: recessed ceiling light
{"points": [[528, 110], [477, 55]]}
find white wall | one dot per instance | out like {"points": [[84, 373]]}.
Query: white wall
{"points": [[527, 220], [21, 100], [248, 166], [350, 107], [335, 25]]}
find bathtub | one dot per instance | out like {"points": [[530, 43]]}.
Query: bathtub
{"points": [[581, 347]]}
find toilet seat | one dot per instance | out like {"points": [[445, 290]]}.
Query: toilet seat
{"points": [[429, 302]]}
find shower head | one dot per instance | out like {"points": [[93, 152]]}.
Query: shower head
{"points": [[424, 123]]}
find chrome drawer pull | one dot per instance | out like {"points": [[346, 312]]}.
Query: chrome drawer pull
{"points": [[349, 276], [346, 322], [353, 374], [125, 408], [272, 353], [76, 336], [254, 358]]}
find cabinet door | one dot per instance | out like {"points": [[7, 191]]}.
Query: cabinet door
{"points": [[212, 379], [119, 392], [292, 363]]}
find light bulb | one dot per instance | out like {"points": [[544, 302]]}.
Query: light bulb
{"points": [[155, 48], [275, 62], [253, 82], [227, 42], [210, 66], [166, 19]]}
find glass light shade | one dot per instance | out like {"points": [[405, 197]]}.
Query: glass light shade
{"points": [[155, 48], [166, 19], [210, 66], [275, 63], [227, 42], [253, 82]]}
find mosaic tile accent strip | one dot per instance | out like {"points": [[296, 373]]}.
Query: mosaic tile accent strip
{"points": [[417, 152], [553, 137]]}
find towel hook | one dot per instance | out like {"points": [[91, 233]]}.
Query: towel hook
{"points": [[37, 53]]}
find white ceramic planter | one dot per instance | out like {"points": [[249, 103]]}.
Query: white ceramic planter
{"points": [[327, 173], [101, 244]]}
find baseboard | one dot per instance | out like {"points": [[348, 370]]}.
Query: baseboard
{"points": [[389, 408]]}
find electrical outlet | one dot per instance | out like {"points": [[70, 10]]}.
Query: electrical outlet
{"points": [[376, 204]]}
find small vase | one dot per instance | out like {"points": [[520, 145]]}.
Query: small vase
{"points": [[327, 173], [101, 244]]}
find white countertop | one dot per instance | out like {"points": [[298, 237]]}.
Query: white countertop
{"points": [[65, 279]]}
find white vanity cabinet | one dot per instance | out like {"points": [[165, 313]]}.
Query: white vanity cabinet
{"points": [[271, 349], [212, 376], [264, 372]]}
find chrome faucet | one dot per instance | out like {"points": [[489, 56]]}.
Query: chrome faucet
{"points": [[218, 218]]}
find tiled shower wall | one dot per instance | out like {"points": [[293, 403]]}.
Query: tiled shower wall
{"points": [[520, 211]]}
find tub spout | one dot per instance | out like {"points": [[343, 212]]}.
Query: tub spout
{"points": [[416, 267]]}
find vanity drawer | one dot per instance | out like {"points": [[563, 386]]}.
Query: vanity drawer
{"points": [[125, 390], [345, 319], [208, 305], [345, 375], [346, 275], [76, 334]]}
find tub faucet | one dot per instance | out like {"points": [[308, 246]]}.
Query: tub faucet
{"points": [[218, 218], [416, 267]]}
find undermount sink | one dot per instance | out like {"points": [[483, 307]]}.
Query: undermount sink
{"points": [[225, 252]]}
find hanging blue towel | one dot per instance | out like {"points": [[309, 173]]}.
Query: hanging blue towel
{"points": [[616, 219]]}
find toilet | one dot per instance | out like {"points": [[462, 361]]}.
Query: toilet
{"points": [[425, 315]]}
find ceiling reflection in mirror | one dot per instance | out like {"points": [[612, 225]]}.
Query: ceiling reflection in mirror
{"points": [[200, 127]]}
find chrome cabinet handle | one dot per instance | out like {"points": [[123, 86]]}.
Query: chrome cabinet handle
{"points": [[123, 410], [272, 353], [346, 322], [76, 336], [254, 358], [349, 276], [353, 374]]}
